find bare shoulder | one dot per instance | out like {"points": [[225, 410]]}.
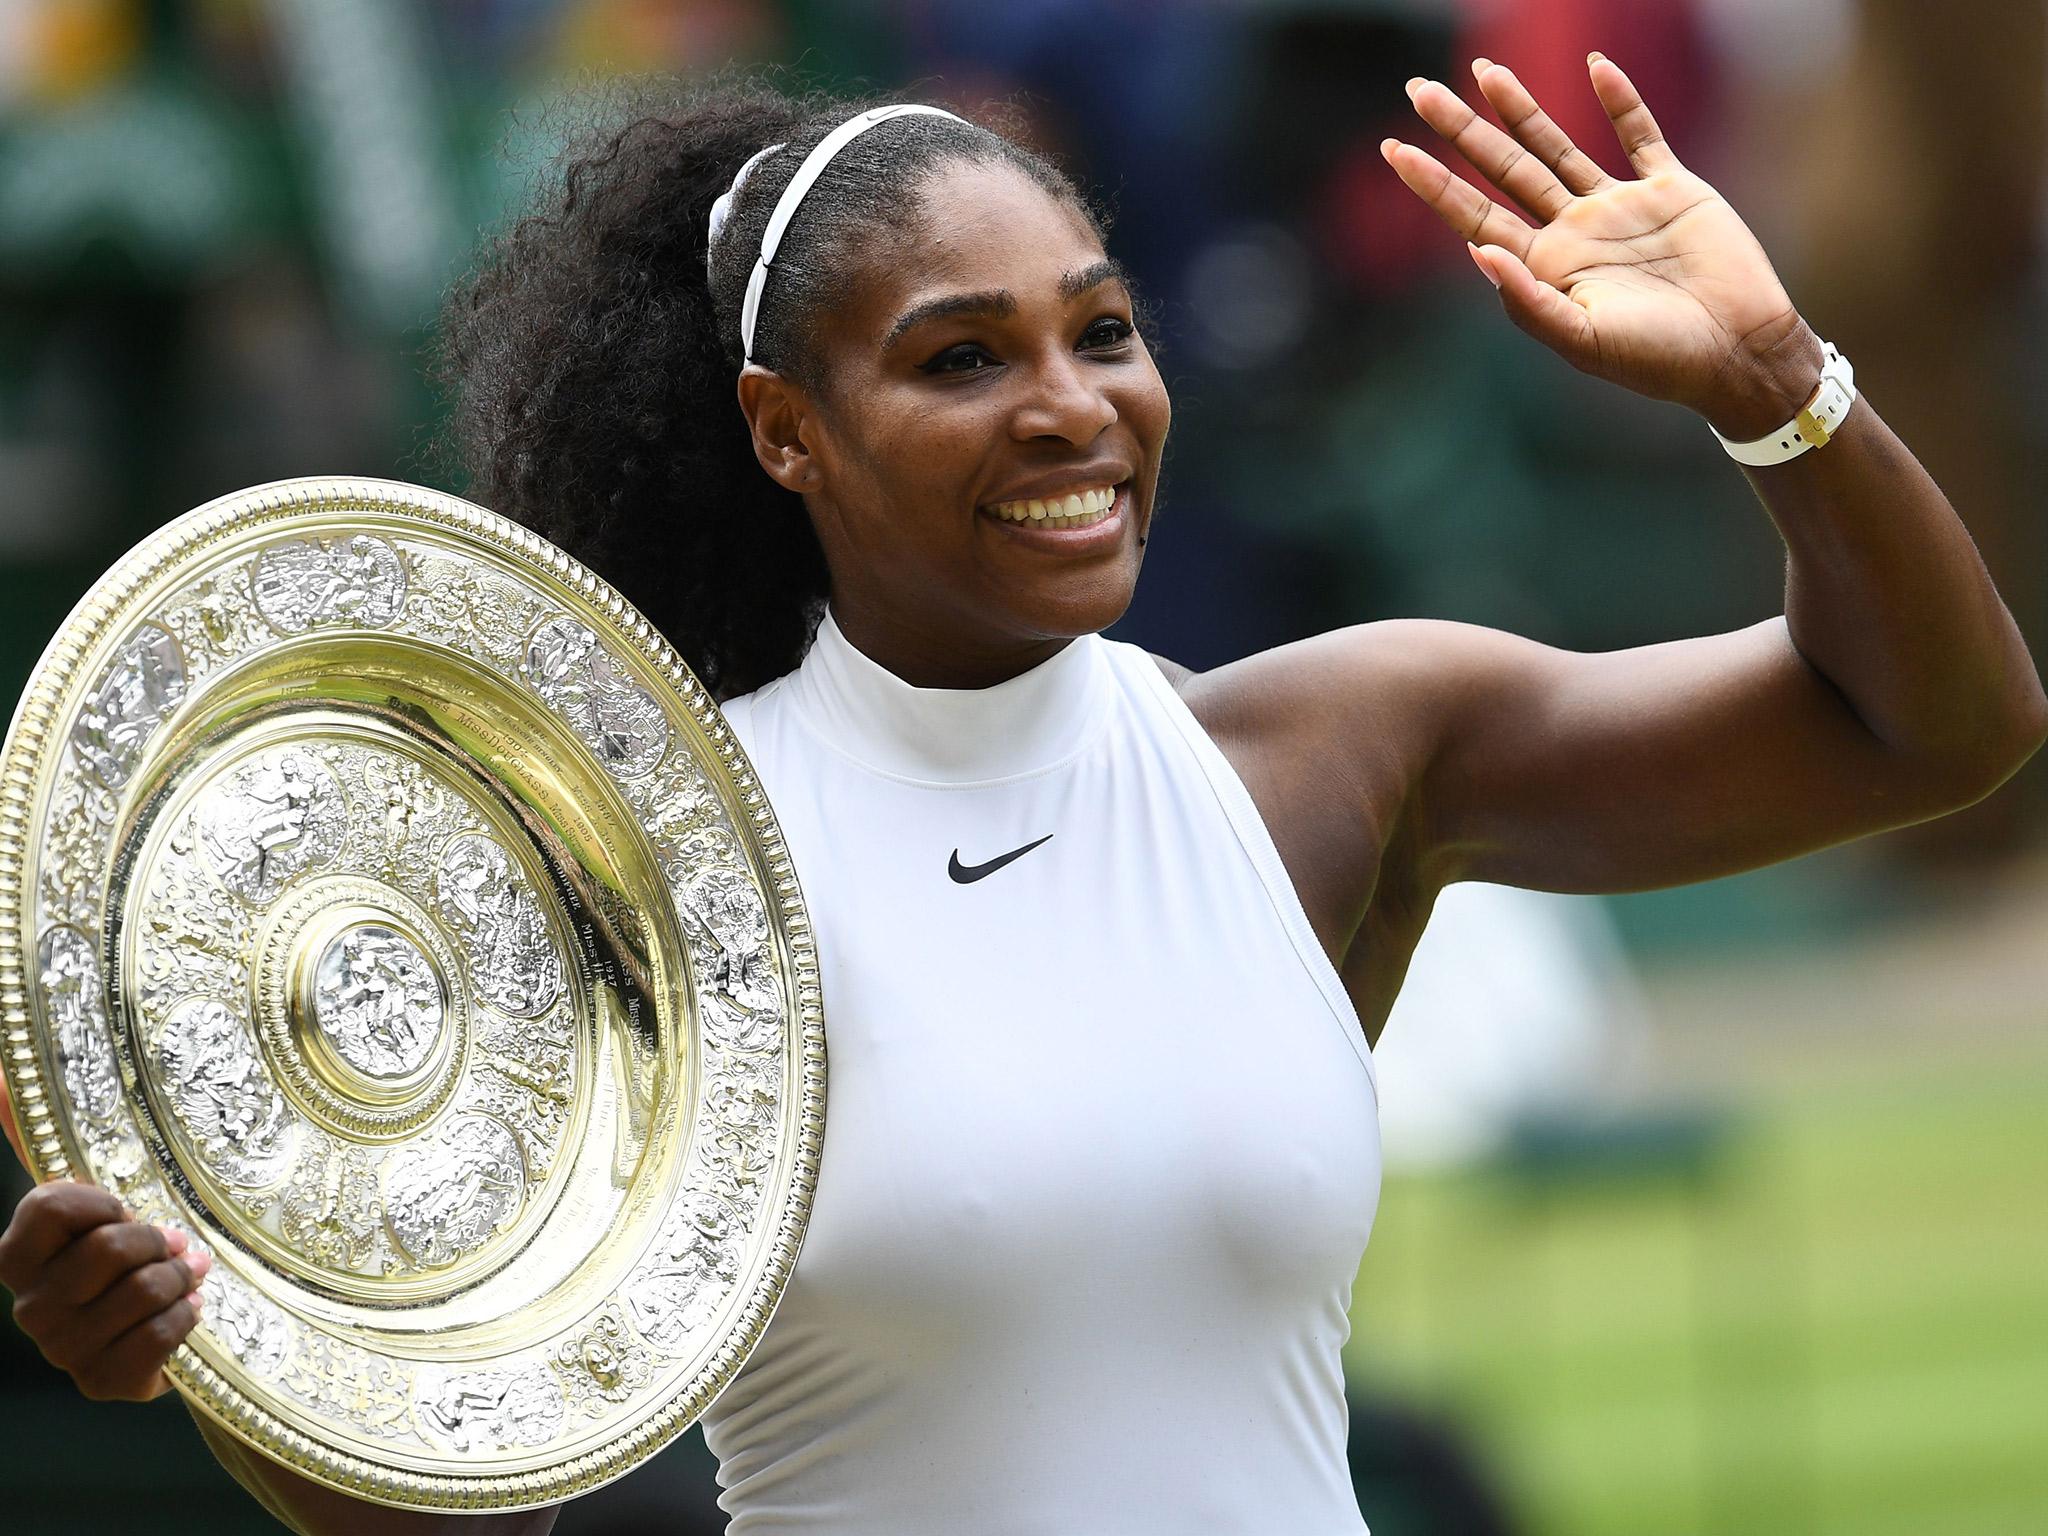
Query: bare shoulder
{"points": [[1376, 686], [1177, 675]]}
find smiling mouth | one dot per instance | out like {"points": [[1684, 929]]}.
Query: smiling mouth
{"points": [[1078, 509]]}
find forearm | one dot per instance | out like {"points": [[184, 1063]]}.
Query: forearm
{"points": [[1887, 597], [311, 1509]]}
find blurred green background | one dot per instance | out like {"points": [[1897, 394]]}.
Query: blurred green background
{"points": [[1745, 1234]]}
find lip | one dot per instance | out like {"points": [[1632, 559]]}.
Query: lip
{"points": [[1107, 534]]}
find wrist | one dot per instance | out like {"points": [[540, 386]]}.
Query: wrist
{"points": [[1771, 388]]}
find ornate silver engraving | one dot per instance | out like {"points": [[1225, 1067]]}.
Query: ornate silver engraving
{"points": [[191, 936], [142, 685], [371, 1394], [355, 580], [472, 608], [448, 1196], [245, 1323], [75, 1000], [121, 1162], [676, 802], [469, 1411], [217, 1087], [591, 689], [215, 621], [486, 901], [75, 835], [377, 1000], [744, 1095], [727, 927], [331, 1209], [602, 1365], [692, 1267], [274, 816], [526, 1077], [413, 802]]}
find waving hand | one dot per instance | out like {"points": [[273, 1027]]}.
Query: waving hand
{"points": [[1654, 283]]}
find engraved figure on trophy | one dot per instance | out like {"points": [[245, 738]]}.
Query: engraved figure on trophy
{"points": [[357, 580], [331, 1209], [145, 682], [252, 1327], [696, 1263], [727, 927], [485, 899], [274, 816], [490, 1410], [602, 1366], [592, 690], [377, 999], [70, 976], [214, 1078], [446, 1198], [413, 802]]}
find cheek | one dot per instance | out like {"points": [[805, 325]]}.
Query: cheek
{"points": [[1149, 409], [919, 452]]}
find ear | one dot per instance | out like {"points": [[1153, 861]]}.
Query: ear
{"points": [[783, 422]]}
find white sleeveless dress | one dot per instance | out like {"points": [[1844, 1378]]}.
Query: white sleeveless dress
{"points": [[1101, 1143]]}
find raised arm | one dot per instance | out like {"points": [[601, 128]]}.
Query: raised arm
{"points": [[1894, 688]]}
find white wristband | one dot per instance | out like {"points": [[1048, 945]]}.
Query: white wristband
{"points": [[1812, 427]]}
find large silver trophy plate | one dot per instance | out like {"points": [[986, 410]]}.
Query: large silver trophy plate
{"points": [[383, 902]]}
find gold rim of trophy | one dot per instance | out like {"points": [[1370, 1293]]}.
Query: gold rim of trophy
{"points": [[383, 901]]}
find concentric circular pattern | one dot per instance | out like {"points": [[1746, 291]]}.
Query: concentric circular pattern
{"points": [[384, 902], [318, 999]]}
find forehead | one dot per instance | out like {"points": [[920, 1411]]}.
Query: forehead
{"points": [[978, 227]]}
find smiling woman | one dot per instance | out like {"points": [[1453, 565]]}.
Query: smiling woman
{"points": [[885, 346], [857, 408], [1093, 1190]]}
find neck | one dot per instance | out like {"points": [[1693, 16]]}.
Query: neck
{"points": [[924, 659], [930, 733]]}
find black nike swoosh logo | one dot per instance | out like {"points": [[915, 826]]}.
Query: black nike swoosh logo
{"points": [[966, 874]]}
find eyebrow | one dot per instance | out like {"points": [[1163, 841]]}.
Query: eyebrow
{"points": [[1000, 301]]}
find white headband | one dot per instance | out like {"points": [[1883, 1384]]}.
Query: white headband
{"points": [[792, 195]]}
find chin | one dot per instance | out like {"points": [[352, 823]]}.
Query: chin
{"points": [[1085, 605]]}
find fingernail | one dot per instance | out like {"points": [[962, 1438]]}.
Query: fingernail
{"points": [[199, 1264], [198, 1301], [1480, 67], [1387, 147], [1479, 260], [174, 1240], [1596, 54], [1414, 86]]}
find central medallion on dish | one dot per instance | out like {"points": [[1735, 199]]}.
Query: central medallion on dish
{"points": [[378, 1002]]}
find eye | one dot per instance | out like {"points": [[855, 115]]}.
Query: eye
{"points": [[965, 358], [1109, 331]]}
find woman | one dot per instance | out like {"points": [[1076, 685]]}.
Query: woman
{"points": [[1103, 1151]]}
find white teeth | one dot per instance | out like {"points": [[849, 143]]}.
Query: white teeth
{"points": [[1078, 508]]}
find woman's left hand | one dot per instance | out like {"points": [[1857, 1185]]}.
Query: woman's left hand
{"points": [[1655, 283]]}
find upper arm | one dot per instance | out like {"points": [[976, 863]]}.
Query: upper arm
{"points": [[1617, 770]]}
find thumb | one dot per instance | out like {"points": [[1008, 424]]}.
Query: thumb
{"points": [[1536, 307]]}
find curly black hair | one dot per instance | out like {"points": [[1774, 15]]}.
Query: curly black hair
{"points": [[591, 351]]}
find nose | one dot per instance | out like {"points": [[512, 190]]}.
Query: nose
{"points": [[1064, 402]]}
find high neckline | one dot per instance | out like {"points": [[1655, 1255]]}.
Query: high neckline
{"points": [[1022, 725]]}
